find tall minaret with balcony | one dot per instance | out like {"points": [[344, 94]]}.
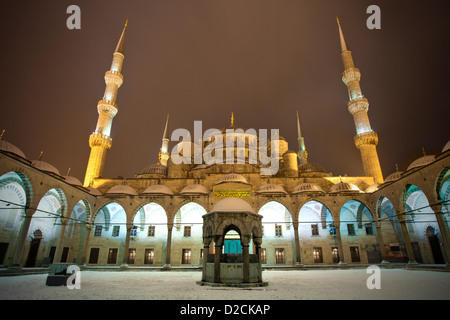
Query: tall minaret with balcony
{"points": [[366, 139], [164, 151], [100, 141]]}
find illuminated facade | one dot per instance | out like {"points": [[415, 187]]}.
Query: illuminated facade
{"points": [[308, 217]]}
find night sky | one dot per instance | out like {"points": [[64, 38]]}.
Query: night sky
{"points": [[202, 60]]}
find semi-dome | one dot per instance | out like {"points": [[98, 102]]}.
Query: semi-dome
{"points": [[311, 167], [44, 166], [271, 188], [194, 189], [307, 187], [155, 168], [344, 187], [122, 189], [73, 181], [10, 148], [158, 189], [232, 177], [446, 147], [422, 161], [393, 176], [232, 205]]}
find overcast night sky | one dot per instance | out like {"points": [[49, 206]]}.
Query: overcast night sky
{"points": [[202, 60]]}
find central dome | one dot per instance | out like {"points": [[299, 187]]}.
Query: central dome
{"points": [[232, 177]]}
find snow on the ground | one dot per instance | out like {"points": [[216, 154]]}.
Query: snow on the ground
{"points": [[283, 285]]}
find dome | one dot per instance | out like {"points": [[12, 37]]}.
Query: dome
{"points": [[232, 205], [155, 168], [271, 188], [310, 167], [10, 148], [307, 187], [232, 177], [194, 189], [73, 181], [372, 188], [422, 161], [94, 191], [158, 189], [393, 176], [344, 187], [44, 166], [122, 189], [446, 147]]}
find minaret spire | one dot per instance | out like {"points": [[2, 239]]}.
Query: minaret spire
{"points": [[302, 154], [164, 151], [100, 140], [366, 139]]}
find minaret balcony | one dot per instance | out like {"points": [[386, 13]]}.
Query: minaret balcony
{"points": [[107, 106], [351, 74], [115, 77], [99, 139], [358, 104], [365, 139]]}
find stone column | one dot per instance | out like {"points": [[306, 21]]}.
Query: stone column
{"points": [[17, 259], [168, 266], [86, 244], [59, 245], [298, 251], [206, 243], [217, 257], [257, 242], [126, 248], [409, 249], [384, 258], [246, 260], [340, 247]]}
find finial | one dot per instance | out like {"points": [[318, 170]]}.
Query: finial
{"points": [[1, 135], [396, 167], [40, 155], [68, 172], [337, 19], [126, 23], [340, 179], [423, 150], [232, 119]]}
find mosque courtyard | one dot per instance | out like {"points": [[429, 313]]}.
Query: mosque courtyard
{"points": [[346, 284]]}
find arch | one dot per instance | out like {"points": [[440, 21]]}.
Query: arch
{"points": [[150, 221], [443, 190], [111, 214], [13, 200], [22, 180], [315, 212], [356, 212]]}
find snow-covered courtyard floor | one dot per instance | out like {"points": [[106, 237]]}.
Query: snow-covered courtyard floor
{"points": [[283, 285]]}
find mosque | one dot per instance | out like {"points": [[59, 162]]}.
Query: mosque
{"points": [[189, 214]]}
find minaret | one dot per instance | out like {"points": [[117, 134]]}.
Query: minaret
{"points": [[302, 154], [366, 139], [100, 141], [164, 151]]}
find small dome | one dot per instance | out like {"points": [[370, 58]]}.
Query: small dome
{"points": [[307, 187], [446, 147], [271, 188], [311, 167], [94, 191], [232, 177], [122, 189], [393, 176], [422, 161], [155, 168], [372, 188], [201, 166], [44, 166], [194, 189], [344, 187], [73, 181], [10, 148], [232, 205], [158, 189]]}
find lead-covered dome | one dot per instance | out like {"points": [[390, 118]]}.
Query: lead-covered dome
{"points": [[393, 176], [307, 187], [422, 161], [232, 205], [10, 148], [122, 189], [44, 166], [271, 188], [155, 168], [446, 147], [232, 177], [73, 181], [344, 187], [194, 189], [312, 169], [159, 189]]}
